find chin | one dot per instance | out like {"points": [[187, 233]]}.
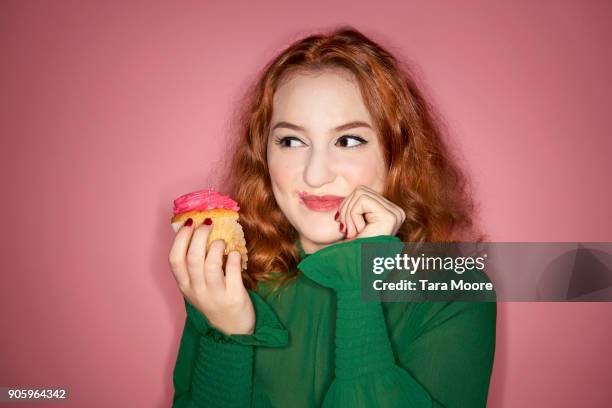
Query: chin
{"points": [[322, 236]]}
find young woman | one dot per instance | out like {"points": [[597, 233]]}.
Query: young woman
{"points": [[338, 148]]}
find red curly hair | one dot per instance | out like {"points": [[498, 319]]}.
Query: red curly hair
{"points": [[423, 177]]}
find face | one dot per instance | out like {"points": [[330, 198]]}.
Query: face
{"points": [[322, 142]]}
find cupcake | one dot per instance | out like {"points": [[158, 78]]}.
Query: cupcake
{"points": [[221, 209]]}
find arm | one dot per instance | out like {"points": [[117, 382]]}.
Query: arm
{"points": [[367, 372], [451, 353], [214, 369]]}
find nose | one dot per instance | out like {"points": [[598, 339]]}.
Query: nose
{"points": [[318, 171]]}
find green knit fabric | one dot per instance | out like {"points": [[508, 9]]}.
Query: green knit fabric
{"points": [[317, 344]]}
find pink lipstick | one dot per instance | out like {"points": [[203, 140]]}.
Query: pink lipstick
{"points": [[321, 203]]}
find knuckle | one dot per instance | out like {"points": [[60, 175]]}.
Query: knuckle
{"points": [[397, 216], [391, 216], [183, 287], [369, 198], [212, 265], [217, 247], [193, 256], [174, 261]]}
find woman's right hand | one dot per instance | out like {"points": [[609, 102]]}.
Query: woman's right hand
{"points": [[222, 299]]}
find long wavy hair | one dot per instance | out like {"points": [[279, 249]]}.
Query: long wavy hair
{"points": [[423, 175]]}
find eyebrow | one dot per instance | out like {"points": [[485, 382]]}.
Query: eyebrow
{"points": [[346, 126]]}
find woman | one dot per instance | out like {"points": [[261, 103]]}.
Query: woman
{"points": [[338, 148]]}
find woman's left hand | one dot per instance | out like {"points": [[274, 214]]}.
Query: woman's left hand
{"points": [[366, 213]]}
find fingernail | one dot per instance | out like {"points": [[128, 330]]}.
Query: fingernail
{"points": [[337, 215], [207, 221], [188, 222], [341, 227]]}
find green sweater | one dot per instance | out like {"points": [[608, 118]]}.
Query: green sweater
{"points": [[319, 345]]}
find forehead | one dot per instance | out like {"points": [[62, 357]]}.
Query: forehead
{"points": [[328, 98]]}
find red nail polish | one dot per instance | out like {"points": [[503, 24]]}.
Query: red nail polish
{"points": [[341, 227], [188, 222], [207, 221], [337, 215]]}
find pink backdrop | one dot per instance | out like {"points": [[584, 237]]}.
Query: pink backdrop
{"points": [[111, 110]]}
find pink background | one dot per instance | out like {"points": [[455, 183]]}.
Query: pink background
{"points": [[109, 111]]}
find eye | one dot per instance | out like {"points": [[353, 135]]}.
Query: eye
{"points": [[286, 141], [349, 141]]}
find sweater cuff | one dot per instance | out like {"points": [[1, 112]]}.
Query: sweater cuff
{"points": [[268, 332], [362, 342]]}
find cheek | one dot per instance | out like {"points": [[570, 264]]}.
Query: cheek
{"points": [[281, 174], [285, 173], [276, 167], [367, 169]]}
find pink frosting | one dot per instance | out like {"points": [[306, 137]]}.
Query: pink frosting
{"points": [[203, 200]]}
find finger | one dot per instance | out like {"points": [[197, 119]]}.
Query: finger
{"points": [[370, 208], [390, 208], [378, 195], [213, 266], [342, 210], [359, 223], [177, 257], [389, 204], [395, 209], [350, 225], [196, 255], [233, 272]]}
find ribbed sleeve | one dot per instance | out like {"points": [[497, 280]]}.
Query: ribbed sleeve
{"points": [[362, 344], [223, 374], [214, 369]]}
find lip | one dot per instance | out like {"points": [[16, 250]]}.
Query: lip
{"points": [[322, 203]]}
